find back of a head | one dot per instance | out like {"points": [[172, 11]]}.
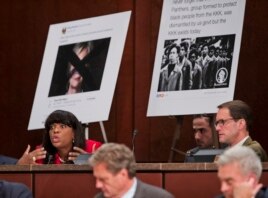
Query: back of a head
{"points": [[245, 157], [116, 157]]}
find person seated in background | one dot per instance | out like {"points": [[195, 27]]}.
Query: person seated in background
{"points": [[239, 171], [114, 169], [64, 139], [14, 190], [204, 134], [26, 158], [233, 124], [7, 160]]}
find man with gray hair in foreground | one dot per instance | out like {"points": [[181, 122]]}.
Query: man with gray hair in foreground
{"points": [[114, 169], [239, 171]]}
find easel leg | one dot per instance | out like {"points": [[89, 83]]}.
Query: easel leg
{"points": [[103, 132], [176, 137]]}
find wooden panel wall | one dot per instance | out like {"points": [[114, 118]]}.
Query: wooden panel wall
{"points": [[24, 28]]}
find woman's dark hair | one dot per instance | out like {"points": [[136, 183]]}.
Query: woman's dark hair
{"points": [[69, 119]]}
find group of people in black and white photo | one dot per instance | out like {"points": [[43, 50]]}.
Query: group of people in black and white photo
{"points": [[202, 63]]}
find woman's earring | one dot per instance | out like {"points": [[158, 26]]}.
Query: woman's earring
{"points": [[73, 141]]}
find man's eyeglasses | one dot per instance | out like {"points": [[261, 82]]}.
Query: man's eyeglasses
{"points": [[222, 122]]}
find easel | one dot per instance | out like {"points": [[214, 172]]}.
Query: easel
{"points": [[175, 139], [102, 131]]}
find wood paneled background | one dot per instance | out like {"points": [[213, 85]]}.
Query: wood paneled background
{"points": [[23, 32]]}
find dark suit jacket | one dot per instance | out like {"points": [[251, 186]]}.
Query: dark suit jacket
{"points": [[146, 191], [7, 160], [257, 148], [14, 190]]}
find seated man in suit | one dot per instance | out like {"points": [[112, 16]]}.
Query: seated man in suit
{"points": [[7, 160], [14, 190], [114, 169], [234, 123], [239, 171], [204, 134]]}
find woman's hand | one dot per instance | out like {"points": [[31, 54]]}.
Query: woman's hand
{"points": [[30, 157], [75, 153]]}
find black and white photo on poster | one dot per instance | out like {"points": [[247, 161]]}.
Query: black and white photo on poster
{"points": [[196, 63], [196, 57]]}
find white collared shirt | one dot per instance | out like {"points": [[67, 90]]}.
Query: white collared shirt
{"points": [[130, 193], [242, 141]]}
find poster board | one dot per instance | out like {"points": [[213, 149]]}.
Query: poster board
{"points": [[80, 68], [182, 87]]}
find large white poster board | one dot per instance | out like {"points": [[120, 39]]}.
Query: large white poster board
{"points": [[80, 67], [197, 56]]}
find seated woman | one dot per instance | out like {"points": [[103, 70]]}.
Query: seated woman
{"points": [[64, 139]]}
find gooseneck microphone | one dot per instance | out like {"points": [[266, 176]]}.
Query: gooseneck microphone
{"points": [[50, 159], [135, 132]]}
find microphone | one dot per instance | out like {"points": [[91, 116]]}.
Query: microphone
{"points": [[193, 151], [135, 132], [50, 159]]}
